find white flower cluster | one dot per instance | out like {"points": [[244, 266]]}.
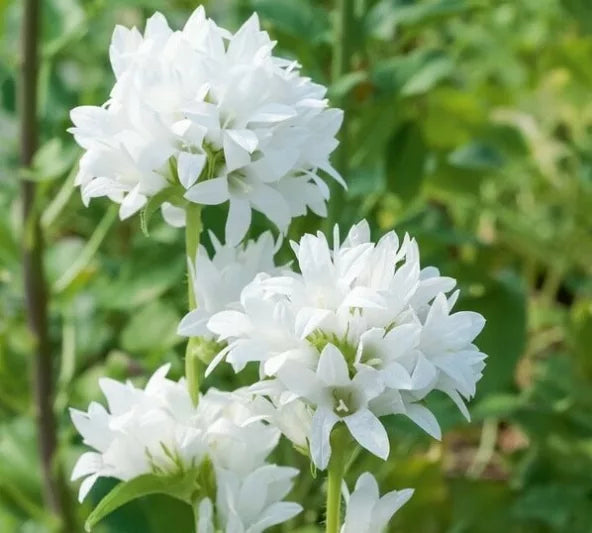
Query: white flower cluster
{"points": [[157, 430], [360, 332], [214, 116], [357, 332]]}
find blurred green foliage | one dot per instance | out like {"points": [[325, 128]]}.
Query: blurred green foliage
{"points": [[469, 125]]}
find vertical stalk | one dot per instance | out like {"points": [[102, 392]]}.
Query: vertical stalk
{"points": [[192, 236], [334, 480], [33, 273], [341, 65], [342, 47]]}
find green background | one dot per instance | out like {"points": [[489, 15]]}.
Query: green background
{"points": [[468, 125]]}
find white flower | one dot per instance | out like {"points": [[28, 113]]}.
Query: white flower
{"points": [[148, 430], [366, 511], [253, 504], [236, 438], [447, 346], [379, 310], [263, 330], [337, 397], [213, 116], [158, 430], [292, 416], [218, 282]]}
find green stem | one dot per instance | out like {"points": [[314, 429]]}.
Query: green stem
{"points": [[334, 480], [195, 508], [60, 200], [88, 252], [192, 361], [341, 64]]}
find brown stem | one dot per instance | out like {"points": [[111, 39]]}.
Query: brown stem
{"points": [[33, 273]]}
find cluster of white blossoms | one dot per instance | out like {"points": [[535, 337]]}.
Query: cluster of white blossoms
{"points": [[353, 333], [207, 116], [157, 430], [359, 333]]}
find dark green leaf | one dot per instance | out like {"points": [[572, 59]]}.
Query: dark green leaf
{"points": [[406, 159]]}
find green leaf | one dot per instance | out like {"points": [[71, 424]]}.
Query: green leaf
{"points": [[496, 406], [412, 74], [422, 13], [383, 20], [181, 487], [581, 10], [151, 329], [294, 18], [137, 286], [406, 158], [173, 195], [553, 504], [347, 83], [51, 161], [428, 76], [502, 302], [476, 156]]}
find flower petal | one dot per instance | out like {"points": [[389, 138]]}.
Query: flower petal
{"points": [[238, 221], [189, 167], [323, 421], [369, 432], [209, 192], [332, 369], [425, 419]]}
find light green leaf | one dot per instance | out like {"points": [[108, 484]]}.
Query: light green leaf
{"points": [[181, 487], [152, 328], [173, 195], [51, 161]]}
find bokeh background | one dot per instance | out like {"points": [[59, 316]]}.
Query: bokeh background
{"points": [[468, 125]]}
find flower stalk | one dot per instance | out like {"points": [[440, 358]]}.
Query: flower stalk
{"points": [[192, 236], [335, 475]]}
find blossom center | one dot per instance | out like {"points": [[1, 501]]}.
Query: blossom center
{"points": [[345, 400]]}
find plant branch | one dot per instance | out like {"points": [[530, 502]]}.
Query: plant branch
{"points": [[34, 277]]}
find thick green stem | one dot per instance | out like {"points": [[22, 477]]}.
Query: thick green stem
{"points": [[192, 362], [334, 480]]}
